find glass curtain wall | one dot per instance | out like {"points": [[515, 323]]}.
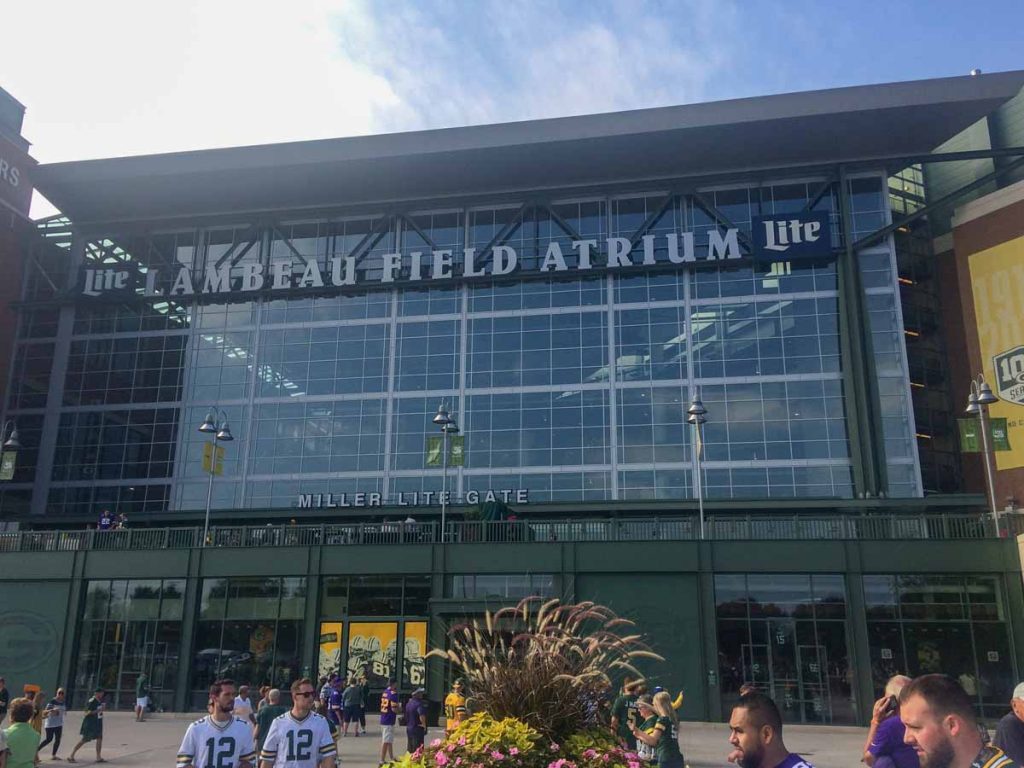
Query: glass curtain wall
{"points": [[570, 387], [129, 627], [248, 629], [786, 634], [956, 625]]}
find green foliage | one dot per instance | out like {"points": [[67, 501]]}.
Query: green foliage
{"points": [[482, 741], [578, 743], [481, 731], [546, 664]]}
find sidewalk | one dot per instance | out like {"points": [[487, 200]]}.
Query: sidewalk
{"points": [[155, 742]]}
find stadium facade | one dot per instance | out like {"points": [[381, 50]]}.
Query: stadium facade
{"points": [[565, 287]]}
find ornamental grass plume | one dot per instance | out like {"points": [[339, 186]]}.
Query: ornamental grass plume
{"points": [[547, 664]]}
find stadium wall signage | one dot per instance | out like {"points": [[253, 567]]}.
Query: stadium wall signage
{"points": [[791, 237], [410, 499]]}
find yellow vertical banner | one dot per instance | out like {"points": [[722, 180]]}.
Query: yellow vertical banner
{"points": [[209, 451], [329, 659], [997, 281], [373, 650], [414, 670]]}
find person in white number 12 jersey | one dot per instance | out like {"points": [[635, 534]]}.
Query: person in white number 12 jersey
{"points": [[300, 738], [219, 740]]}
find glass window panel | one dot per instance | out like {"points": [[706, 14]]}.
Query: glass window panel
{"points": [[779, 594], [375, 596], [731, 595], [97, 599], [172, 598], [213, 602], [253, 598], [293, 597], [417, 596], [143, 600]]}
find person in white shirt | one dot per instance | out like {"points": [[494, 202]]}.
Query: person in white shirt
{"points": [[299, 738], [220, 738], [54, 722], [243, 705]]}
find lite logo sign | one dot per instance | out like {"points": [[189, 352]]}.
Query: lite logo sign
{"points": [[793, 237], [802, 237]]}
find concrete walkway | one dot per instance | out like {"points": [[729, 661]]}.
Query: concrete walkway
{"points": [[155, 742]]}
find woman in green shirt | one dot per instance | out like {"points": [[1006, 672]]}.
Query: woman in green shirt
{"points": [[92, 726], [663, 734]]}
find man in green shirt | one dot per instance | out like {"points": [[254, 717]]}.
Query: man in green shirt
{"points": [[22, 738], [272, 709], [624, 714], [141, 697]]}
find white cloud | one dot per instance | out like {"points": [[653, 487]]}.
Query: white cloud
{"points": [[117, 77]]}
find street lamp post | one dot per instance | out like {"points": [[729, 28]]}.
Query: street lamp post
{"points": [[214, 425], [11, 443], [448, 426], [977, 405], [697, 416]]}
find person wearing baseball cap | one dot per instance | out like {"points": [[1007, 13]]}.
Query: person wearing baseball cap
{"points": [[1010, 731]]}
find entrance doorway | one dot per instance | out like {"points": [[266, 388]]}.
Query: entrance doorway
{"points": [[787, 636]]}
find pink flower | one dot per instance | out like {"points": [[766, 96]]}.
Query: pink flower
{"points": [[514, 751], [462, 741], [634, 764], [554, 747], [441, 758], [606, 758], [590, 753], [497, 755], [435, 743], [458, 761]]}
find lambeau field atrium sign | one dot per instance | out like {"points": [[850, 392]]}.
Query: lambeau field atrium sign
{"points": [[791, 237]]}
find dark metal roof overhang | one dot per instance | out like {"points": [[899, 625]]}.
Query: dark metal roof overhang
{"points": [[813, 129]]}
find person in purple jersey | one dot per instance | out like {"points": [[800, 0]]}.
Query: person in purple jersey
{"points": [[389, 708], [335, 702], [755, 733], [884, 747]]}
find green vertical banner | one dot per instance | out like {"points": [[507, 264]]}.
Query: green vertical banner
{"points": [[7, 463], [970, 436], [457, 451], [434, 451], [1000, 432]]}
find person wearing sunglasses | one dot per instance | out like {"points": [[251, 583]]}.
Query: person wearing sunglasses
{"points": [[300, 738]]}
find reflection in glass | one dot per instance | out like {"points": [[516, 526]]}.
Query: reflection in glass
{"points": [[786, 633]]}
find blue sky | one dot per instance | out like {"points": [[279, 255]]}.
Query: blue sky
{"points": [[115, 77]]}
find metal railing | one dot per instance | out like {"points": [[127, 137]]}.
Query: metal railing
{"points": [[722, 528]]}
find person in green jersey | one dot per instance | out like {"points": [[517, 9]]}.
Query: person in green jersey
{"points": [[648, 719], [624, 714], [664, 736], [266, 714], [92, 725], [141, 697]]}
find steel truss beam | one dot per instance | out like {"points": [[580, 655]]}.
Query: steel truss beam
{"points": [[721, 219], [939, 204]]}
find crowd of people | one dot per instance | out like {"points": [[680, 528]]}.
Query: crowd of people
{"points": [[927, 722]]}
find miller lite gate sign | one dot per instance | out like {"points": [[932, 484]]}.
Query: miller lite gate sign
{"points": [[798, 237]]}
